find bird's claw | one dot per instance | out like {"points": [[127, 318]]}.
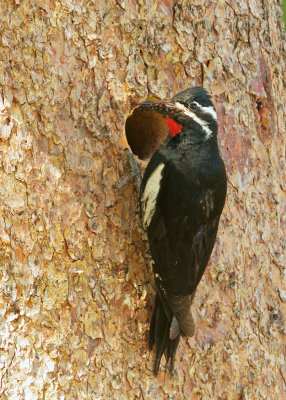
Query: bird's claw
{"points": [[135, 173]]}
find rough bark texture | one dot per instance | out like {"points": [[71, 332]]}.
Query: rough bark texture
{"points": [[76, 286]]}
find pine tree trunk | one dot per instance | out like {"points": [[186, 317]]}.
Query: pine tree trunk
{"points": [[75, 283]]}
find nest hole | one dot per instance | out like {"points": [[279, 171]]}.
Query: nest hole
{"points": [[145, 131]]}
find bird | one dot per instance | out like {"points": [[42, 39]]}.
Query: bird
{"points": [[181, 199]]}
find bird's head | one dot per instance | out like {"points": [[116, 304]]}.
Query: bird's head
{"points": [[190, 111]]}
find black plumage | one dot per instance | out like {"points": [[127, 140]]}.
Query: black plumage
{"points": [[181, 199]]}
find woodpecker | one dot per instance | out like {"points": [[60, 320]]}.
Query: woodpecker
{"points": [[181, 199]]}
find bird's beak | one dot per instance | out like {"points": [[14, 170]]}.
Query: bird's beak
{"points": [[159, 107]]}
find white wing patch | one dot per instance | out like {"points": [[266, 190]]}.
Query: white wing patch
{"points": [[150, 194], [194, 117]]}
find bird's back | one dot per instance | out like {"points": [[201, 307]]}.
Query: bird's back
{"points": [[188, 206]]}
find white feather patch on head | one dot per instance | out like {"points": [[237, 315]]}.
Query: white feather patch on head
{"points": [[191, 114], [207, 110], [150, 194]]}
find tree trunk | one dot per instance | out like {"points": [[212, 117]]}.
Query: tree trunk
{"points": [[76, 285]]}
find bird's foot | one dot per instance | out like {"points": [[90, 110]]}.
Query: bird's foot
{"points": [[134, 174]]}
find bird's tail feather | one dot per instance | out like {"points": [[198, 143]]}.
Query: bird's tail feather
{"points": [[159, 335], [171, 319], [180, 306]]}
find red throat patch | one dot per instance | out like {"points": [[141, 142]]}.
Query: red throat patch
{"points": [[175, 128]]}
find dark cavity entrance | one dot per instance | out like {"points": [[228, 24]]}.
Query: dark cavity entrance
{"points": [[145, 131]]}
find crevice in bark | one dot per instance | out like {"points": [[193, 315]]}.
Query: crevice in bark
{"points": [[145, 131]]}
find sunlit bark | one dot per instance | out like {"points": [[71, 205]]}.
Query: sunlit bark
{"points": [[75, 282]]}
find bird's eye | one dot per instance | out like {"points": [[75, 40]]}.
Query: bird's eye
{"points": [[193, 106]]}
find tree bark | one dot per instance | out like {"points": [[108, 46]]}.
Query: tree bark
{"points": [[76, 284]]}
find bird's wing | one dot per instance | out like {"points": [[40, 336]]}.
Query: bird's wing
{"points": [[178, 269], [181, 227], [181, 233]]}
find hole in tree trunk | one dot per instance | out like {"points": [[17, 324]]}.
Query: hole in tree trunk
{"points": [[145, 131]]}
